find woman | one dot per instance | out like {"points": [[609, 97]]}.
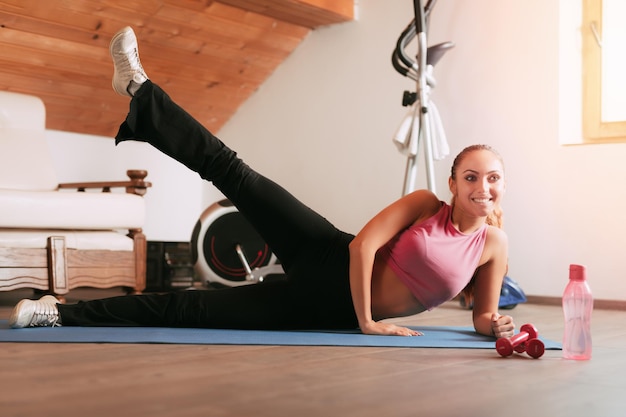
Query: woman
{"points": [[414, 255]]}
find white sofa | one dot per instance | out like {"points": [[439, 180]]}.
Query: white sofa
{"points": [[56, 237]]}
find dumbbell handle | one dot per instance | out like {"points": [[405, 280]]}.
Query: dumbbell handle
{"points": [[519, 338]]}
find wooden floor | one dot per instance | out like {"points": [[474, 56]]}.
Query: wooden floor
{"points": [[177, 380]]}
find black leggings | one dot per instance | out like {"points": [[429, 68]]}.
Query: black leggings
{"points": [[312, 251]]}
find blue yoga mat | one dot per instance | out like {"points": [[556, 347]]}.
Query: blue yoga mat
{"points": [[434, 337]]}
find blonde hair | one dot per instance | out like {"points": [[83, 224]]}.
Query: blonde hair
{"points": [[495, 218]]}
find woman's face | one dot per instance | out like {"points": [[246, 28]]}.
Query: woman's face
{"points": [[478, 185]]}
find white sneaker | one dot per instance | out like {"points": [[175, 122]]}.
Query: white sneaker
{"points": [[39, 313], [126, 63]]}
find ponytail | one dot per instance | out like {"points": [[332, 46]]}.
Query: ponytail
{"points": [[495, 218]]}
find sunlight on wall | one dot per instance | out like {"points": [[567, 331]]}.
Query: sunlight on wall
{"points": [[570, 73]]}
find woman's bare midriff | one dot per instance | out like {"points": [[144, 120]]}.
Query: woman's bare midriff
{"points": [[390, 297]]}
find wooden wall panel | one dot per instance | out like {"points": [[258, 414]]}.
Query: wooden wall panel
{"points": [[209, 55]]}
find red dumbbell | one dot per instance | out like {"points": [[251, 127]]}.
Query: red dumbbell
{"points": [[525, 341]]}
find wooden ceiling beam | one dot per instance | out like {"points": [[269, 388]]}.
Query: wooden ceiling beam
{"points": [[307, 13]]}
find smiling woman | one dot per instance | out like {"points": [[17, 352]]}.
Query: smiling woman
{"points": [[414, 255]]}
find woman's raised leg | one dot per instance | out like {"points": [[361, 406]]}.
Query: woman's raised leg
{"points": [[312, 250], [284, 222]]}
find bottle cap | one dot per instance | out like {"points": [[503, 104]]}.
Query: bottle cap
{"points": [[577, 272]]}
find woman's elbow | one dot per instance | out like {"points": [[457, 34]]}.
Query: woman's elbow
{"points": [[360, 247]]}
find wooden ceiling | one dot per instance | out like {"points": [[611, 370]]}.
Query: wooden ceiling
{"points": [[210, 56]]}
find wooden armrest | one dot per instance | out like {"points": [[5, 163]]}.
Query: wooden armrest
{"points": [[136, 184]]}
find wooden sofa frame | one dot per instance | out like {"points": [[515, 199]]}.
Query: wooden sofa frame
{"points": [[57, 269]]}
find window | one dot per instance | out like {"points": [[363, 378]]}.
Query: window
{"points": [[604, 71]]}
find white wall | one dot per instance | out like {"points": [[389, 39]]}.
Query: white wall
{"points": [[321, 127]]}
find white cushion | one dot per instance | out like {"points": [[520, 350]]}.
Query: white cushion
{"points": [[25, 159], [21, 111], [70, 210], [91, 240]]}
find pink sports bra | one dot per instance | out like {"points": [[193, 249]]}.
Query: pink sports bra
{"points": [[433, 259]]}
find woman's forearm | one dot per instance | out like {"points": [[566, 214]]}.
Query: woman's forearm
{"points": [[361, 282], [483, 324]]}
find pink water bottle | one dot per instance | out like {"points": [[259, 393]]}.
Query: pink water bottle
{"points": [[577, 309]]}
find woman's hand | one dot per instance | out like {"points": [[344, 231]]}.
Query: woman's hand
{"points": [[388, 329], [502, 326]]}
